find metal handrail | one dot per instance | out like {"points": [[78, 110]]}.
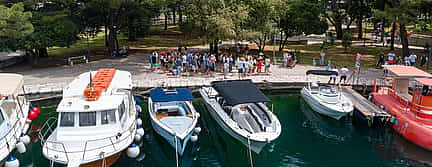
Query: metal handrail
{"points": [[17, 125], [64, 150]]}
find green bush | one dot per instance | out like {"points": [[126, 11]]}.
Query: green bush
{"points": [[347, 40]]}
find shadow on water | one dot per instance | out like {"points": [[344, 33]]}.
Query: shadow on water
{"points": [[332, 130], [307, 139]]}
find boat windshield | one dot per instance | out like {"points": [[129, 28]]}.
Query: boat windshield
{"points": [[327, 90]]}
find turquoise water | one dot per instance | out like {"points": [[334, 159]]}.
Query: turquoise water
{"points": [[307, 139]]}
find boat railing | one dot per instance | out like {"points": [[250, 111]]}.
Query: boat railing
{"points": [[93, 149], [414, 107], [11, 136]]}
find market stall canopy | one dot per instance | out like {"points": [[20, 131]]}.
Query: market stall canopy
{"points": [[406, 71], [321, 72], [10, 83], [164, 95], [239, 92]]}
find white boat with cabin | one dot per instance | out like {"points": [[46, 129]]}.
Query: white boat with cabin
{"points": [[14, 113], [173, 116], [96, 120], [238, 106], [326, 99]]}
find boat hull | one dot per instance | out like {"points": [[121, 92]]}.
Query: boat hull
{"points": [[256, 146], [107, 162], [403, 123], [170, 138], [320, 108]]}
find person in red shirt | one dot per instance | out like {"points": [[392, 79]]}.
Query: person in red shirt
{"points": [[259, 65]]}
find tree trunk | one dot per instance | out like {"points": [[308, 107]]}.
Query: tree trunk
{"points": [[392, 38], [382, 30], [112, 37], [166, 22], [42, 52], [106, 35], [180, 15], [404, 40], [360, 27], [339, 30], [174, 15]]}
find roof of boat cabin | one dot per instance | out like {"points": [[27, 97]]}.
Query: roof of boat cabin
{"points": [[239, 92], [407, 71], [424, 81], [322, 72], [74, 99], [79, 104], [178, 94], [10, 83]]}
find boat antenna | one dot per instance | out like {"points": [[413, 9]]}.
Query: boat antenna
{"points": [[91, 80]]}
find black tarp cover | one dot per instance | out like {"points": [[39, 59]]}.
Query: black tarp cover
{"points": [[239, 92], [321, 72]]}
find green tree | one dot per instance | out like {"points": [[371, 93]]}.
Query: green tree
{"points": [[293, 22], [14, 25], [400, 12], [55, 23], [346, 40]]}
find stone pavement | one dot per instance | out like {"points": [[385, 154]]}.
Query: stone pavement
{"points": [[54, 79]]}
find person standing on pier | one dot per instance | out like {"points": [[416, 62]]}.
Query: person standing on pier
{"points": [[333, 76], [380, 60], [321, 57], [343, 74]]}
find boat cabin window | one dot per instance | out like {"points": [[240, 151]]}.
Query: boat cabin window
{"points": [[67, 119], [1, 116], [122, 109], [87, 118], [108, 117], [425, 90], [9, 107]]}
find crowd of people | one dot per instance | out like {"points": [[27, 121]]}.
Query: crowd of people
{"points": [[181, 62], [393, 59]]}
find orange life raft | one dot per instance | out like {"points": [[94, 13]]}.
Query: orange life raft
{"points": [[100, 82]]}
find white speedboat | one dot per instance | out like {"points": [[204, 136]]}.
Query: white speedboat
{"points": [[238, 107], [96, 120], [326, 99], [173, 116], [15, 117]]}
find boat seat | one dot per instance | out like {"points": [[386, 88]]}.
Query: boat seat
{"points": [[246, 121], [261, 116], [161, 115]]}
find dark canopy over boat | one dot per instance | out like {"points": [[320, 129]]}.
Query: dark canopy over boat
{"points": [[321, 72], [178, 94], [239, 92]]}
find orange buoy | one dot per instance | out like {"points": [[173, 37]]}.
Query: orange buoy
{"points": [[100, 82]]}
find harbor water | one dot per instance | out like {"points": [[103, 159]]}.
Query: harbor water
{"points": [[307, 139]]}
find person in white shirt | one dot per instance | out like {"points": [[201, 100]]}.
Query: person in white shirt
{"points": [[343, 74], [333, 76], [407, 61], [413, 59]]}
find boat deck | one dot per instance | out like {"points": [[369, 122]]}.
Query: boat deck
{"points": [[403, 108], [363, 105]]}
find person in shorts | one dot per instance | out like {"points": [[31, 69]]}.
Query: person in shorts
{"points": [[343, 74]]}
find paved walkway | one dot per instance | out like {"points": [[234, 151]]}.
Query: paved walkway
{"points": [[54, 79]]}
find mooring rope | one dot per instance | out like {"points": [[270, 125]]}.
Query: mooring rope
{"points": [[52, 163], [250, 152], [175, 140]]}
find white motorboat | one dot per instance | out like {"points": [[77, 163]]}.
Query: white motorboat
{"points": [[173, 116], [238, 107], [15, 117], [326, 99], [96, 120]]}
